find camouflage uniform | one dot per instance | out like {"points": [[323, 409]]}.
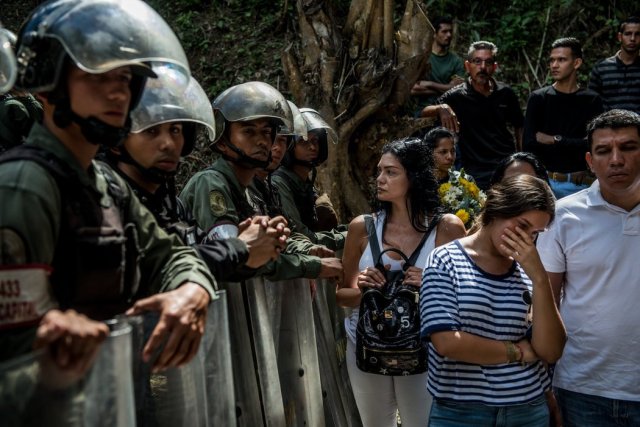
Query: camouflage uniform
{"points": [[298, 203], [30, 223], [219, 203]]}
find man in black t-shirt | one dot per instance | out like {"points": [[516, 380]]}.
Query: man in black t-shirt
{"points": [[555, 126], [482, 110]]}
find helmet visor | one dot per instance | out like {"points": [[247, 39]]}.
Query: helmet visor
{"points": [[299, 125], [314, 120], [172, 97], [253, 100], [101, 35], [7, 64]]}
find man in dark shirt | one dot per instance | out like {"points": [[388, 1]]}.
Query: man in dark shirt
{"points": [[481, 109], [446, 68], [555, 126], [617, 79]]}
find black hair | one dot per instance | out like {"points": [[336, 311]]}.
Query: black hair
{"points": [[570, 42], [441, 20], [433, 137], [613, 119], [629, 20], [536, 164], [417, 161]]}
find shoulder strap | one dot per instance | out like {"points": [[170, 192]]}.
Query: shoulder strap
{"points": [[373, 238], [375, 247], [42, 157], [416, 253], [113, 184]]}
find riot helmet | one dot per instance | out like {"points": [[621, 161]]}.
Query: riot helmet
{"points": [[299, 126], [97, 36], [168, 99], [8, 69], [246, 102], [314, 124]]}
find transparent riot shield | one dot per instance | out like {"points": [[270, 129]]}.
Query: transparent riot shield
{"points": [[35, 392], [215, 352], [257, 386], [174, 397], [298, 363]]}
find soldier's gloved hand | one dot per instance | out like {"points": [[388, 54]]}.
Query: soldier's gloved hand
{"points": [[263, 240], [321, 252], [183, 313], [72, 340], [331, 268]]}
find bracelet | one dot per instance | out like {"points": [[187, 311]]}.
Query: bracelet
{"points": [[520, 354], [512, 352]]}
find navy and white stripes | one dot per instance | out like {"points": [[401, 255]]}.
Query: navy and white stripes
{"points": [[456, 295]]}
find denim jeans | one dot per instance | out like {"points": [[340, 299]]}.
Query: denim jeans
{"points": [[584, 410], [451, 413], [564, 189]]}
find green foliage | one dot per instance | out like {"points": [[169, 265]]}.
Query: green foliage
{"points": [[525, 29]]}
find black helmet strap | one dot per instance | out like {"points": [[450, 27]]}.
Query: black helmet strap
{"points": [[154, 175], [243, 159]]}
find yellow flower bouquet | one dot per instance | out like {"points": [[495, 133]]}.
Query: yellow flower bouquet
{"points": [[461, 196]]}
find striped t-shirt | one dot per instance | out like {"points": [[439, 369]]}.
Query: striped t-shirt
{"points": [[617, 83], [456, 295]]}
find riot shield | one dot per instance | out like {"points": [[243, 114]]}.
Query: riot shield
{"points": [[35, 392], [215, 352], [257, 386], [174, 397], [298, 363]]}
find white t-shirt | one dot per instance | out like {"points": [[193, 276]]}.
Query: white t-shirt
{"points": [[597, 245], [366, 260]]}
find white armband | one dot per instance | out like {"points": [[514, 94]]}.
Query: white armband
{"points": [[25, 294]]}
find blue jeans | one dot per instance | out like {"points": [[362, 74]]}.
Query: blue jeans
{"points": [[564, 189], [451, 413], [584, 410]]}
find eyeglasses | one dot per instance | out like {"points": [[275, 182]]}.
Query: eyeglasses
{"points": [[488, 62]]}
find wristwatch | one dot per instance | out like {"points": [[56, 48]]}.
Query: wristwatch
{"points": [[557, 139]]}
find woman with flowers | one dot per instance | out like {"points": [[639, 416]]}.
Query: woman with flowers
{"points": [[407, 201], [442, 143], [457, 190], [489, 313]]}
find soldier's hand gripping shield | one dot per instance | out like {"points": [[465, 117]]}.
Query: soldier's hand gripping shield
{"points": [[174, 97], [8, 69]]}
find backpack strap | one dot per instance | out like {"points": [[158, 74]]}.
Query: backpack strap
{"points": [[375, 246], [373, 238], [416, 253]]}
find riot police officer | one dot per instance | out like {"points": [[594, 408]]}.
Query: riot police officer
{"points": [[296, 177], [248, 117], [73, 235], [18, 109], [164, 128]]}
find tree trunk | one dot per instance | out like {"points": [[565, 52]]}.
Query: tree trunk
{"points": [[357, 74]]}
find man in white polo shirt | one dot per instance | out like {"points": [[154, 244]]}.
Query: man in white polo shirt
{"points": [[591, 255]]}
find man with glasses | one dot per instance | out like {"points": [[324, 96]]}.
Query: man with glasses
{"points": [[481, 110]]}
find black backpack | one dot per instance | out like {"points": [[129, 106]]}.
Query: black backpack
{"points": [[388, 332]]}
